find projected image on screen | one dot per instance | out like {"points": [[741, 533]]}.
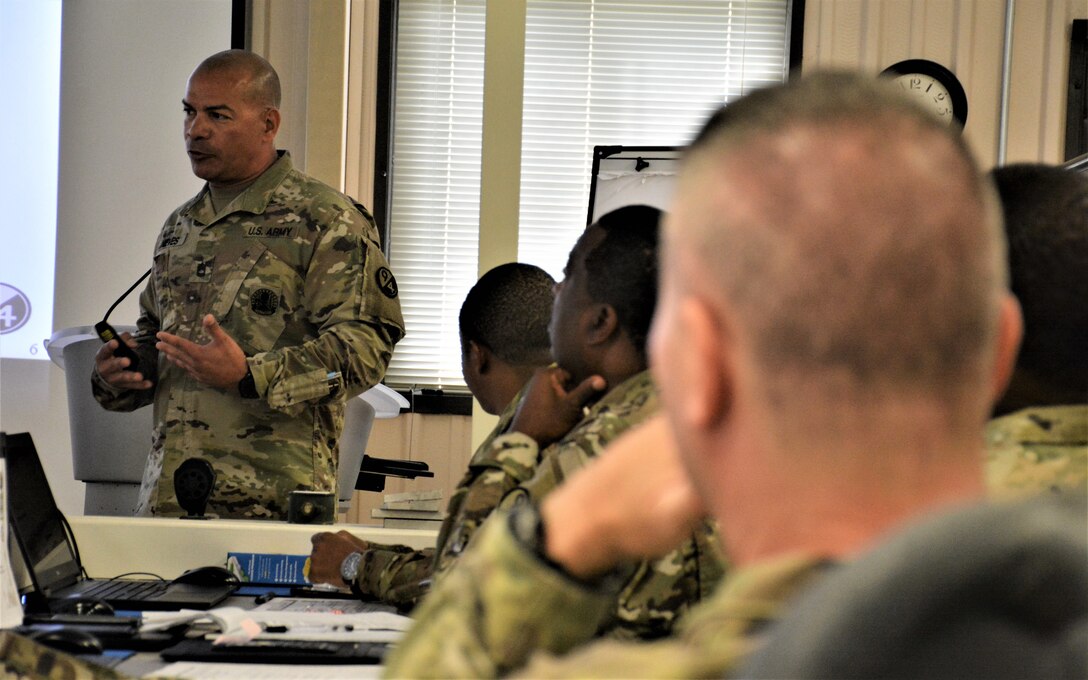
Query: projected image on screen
{"points": [[28, 188]]}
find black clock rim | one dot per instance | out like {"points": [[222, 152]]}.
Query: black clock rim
{"points": [[942, 75]]}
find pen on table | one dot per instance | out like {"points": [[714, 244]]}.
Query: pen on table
{"points": [[261, 599]]}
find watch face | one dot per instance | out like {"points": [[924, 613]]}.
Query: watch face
{"points": [[349, 568]]}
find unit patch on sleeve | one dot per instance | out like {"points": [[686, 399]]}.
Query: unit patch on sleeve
{"points": [[387, 283]]}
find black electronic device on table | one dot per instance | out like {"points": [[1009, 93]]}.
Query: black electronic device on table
{"points": [[52, 556]]}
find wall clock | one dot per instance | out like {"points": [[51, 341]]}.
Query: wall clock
{"points": [[933, 86]]}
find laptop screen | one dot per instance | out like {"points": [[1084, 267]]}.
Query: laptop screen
{"points": [[35, 518]]}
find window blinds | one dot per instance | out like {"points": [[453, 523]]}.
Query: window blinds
{"points": [[596, 72]]}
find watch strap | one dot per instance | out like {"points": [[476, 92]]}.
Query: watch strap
{"points": [[247, 387], [527, 527]]}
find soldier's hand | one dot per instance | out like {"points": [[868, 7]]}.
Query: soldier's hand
{"points": [[643, 504], [114, 370], [218, 363], [549, 410], [329, 550]]}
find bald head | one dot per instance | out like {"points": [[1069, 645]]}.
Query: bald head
{"points": [[853, 241], [260, 82]]}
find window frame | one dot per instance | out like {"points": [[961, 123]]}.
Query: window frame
{"points": [[447, 401]]}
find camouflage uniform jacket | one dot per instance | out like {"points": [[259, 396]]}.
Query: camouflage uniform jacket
{"points": [[501, 607], [399, 575], [1037, 449], [293, 272], [660, 591]]}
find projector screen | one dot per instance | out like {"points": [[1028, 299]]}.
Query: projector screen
{"points": [[29, 115]]}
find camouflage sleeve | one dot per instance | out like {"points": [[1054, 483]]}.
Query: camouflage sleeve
{"points": [[395, 574], [351, 296], [24, 658], [557, 462], [508, 462], [496, 606]]}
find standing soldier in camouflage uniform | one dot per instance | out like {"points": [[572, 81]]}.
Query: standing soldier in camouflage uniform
{"points": [[270, 303], [504, 339], [833, 321], [1039, 439]]}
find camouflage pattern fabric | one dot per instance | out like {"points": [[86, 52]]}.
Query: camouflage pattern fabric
{"points": [[1036, 450], [400, 576], [293, 272], [25, 659], [501, 607], [661, 591]]}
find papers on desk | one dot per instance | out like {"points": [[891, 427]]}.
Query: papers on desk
{"points": [[234, 624]]}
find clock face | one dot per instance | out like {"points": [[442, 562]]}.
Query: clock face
{"points": [[932, 86], [930, 93]]}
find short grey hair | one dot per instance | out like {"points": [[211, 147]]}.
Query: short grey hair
{"points": [[860, 246]]}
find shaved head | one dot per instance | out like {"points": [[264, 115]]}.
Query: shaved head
{"points": [[260, 82], [856, 242]]}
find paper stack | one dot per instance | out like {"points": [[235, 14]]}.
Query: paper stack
{"points": [[411, 510]]}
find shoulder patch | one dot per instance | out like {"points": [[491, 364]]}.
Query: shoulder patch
{"points": [[387, 283]]}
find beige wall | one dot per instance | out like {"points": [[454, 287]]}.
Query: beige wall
{"points": [[965, 35]]}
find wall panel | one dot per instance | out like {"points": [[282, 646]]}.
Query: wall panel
{"points": [[967, 36]]}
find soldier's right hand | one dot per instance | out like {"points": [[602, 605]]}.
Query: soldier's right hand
{"points": [[114, 370], [643, 502], [549, 409], [329, 551]]}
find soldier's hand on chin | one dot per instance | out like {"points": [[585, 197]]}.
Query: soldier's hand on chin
{"points": [[550, 409]]}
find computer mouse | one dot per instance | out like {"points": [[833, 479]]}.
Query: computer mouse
{"points": [[69, 640], [83, 606], [207, 576]]}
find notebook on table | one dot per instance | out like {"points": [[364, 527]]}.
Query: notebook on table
{"points": [[52, 557]]}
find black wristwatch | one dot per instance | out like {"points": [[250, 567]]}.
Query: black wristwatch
{"points": [[247, 387], [527, 527]]}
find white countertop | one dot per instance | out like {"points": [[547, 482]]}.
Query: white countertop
{"points": [[109, 546]]}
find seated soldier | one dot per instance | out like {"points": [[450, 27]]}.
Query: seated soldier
{"points": [[1039, 438], [834, 327], [504, 339], [603, 310]]}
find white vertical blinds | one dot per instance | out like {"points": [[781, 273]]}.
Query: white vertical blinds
{"points": [[435, 193], [626, 72], [596, 72]]}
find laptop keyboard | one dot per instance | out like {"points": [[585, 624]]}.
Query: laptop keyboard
{"points": [[126, 590]]}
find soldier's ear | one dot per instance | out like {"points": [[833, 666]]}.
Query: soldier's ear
{"points": [[480, 357], [271, 122], [600, 323]]}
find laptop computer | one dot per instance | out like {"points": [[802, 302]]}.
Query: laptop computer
{"points": [[52, 557]]}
